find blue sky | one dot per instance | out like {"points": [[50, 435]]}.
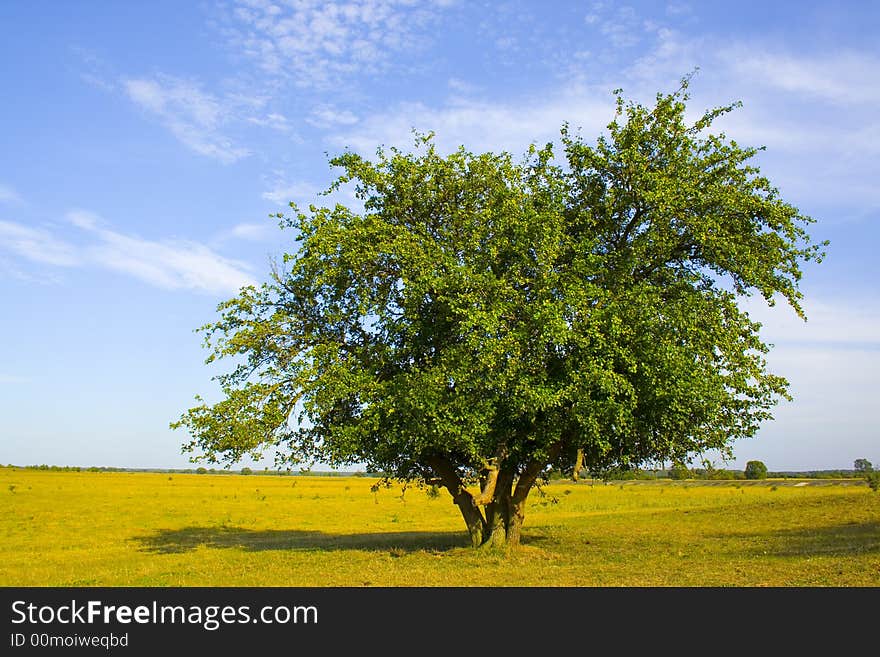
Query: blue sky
{"points": [[143, 146]]}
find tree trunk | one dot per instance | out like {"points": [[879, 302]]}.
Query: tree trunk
{"points": [[578, 466], [498, 510], [516, 504], [505, 511], [514, 526], [474, 521], [473, 518]]}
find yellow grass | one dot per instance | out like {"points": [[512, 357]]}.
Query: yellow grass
{"points": [[146, 529]]}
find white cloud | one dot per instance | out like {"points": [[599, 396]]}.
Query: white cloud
{"points": [[843, 77], [832, 417], [253, 232], [193, 116], [9, 195], [678, 8], [832, 323], [814, 111], [623, 28], [84, 219], [37, 244], [170, 264], [301, 193], [326, 116], [461, 86], [274, 121], [482, 125], [318, 43], [831, 363]]}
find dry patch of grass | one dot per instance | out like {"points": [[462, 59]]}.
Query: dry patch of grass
{"points": [[144, 529]]}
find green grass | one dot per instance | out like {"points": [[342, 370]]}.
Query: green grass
{"points": [[150, 529]]}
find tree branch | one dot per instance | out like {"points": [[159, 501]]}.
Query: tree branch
{"points": [[531, 473], [492, 468], [445, 471]]}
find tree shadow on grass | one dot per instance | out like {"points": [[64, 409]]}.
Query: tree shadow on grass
{"points": [[187, 539], [831, 540]]}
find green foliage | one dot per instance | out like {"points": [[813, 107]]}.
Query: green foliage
{"points": [[485, 310], [863, 465], [756, 470], [201, 471], [621, 474], [679, 471], [717, 474], [873, 479], [246, 471]]}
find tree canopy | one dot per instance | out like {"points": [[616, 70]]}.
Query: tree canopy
{"points": [[756, 470], [484, 318], [863, 465]]}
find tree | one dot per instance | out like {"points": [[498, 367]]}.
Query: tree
{"points": [[756, 470], [679, 471], [485, 319], [863, 466]]}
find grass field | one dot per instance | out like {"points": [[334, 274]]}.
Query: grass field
{"points": [[146, 529]]}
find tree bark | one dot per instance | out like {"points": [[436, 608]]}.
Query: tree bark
{"points": [[473, 518], [514, 525], [578, 465], [505, 510], [489, 478], [527, 479], [498, 510]]}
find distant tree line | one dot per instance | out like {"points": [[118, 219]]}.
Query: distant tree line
{"points": [[862, 469], [753, 470], [200, 470]]}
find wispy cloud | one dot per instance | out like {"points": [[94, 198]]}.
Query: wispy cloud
{"points": [[840, 323], [250, 232], [37, 244], [10, 269], [169, 264], [272, 120], [481, 125], [302, 193], [328, 116], [9, 195], [459, 86], [317, 43], [845, 78], [94, 71], [193, 116], [832, 417], [622, 28], [814, 110], [678, 8]]}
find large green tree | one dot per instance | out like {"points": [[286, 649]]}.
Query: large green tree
{"points": [[484, 319]]}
